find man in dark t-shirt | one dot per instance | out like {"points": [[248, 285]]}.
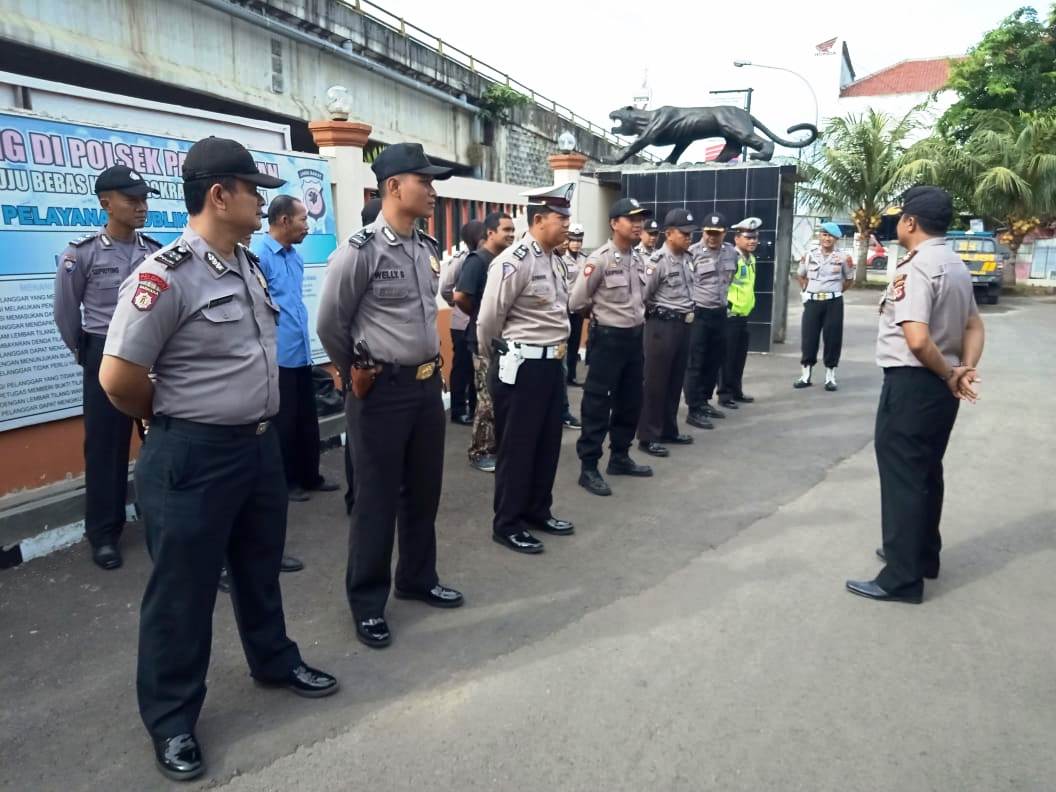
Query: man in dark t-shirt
{"points": [[498, 230]]}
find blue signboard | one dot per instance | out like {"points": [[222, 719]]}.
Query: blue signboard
{"points": [[47, 198]]}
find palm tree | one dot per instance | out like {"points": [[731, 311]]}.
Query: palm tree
{"points": [[1005, 172], [860, 171]]}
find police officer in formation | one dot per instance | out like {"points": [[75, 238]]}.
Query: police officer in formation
{"points": [[714, 264], [611, 284], [192, 350], [930, 341], [574, 260], [524, 318], [377, 321], [668, 295], [90, 270], [740, 301], [825, 273], [650, 235]]}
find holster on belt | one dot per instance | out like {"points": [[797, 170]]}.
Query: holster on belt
{"points": [[364, 371]]}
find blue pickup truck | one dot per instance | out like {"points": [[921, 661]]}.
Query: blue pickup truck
{"points": [[980, 253]]}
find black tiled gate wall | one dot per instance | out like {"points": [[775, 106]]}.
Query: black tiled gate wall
{"points": [[763, 191]]}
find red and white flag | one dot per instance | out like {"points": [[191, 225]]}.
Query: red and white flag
{"points": [[711, 153], [825, 47]]}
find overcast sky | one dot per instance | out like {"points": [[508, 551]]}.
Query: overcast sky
{"points": [[591, 56]]}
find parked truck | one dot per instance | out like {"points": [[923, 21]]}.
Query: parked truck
{"points": [[980, 253]]}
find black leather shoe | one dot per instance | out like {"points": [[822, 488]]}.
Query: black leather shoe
{"points": [[178, 758], [438, 596], [556, 527], [744, 399], [623, 465], [802, 383], [326, 485], [711, 412], [522, 542], [571, 421], [305, 681], [465, 419], [679, 439], [654, 449], [870, 590], [291, 564], [730, 404], [485, 464], [592, 482], [831, 387], [297, 494], [107, 556], [224, 583], [931, 573], [373, 632], [699, 420]]}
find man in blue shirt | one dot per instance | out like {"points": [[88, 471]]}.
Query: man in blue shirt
{"points": [[297, 421]]}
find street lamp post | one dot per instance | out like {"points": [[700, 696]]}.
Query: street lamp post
{"points": [[741, 64]]}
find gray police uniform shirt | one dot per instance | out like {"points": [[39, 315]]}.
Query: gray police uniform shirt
{"points": [[573, 266], [713, 271], [206, 326], [669, 281], [381, 288], [450, 270], [825, 272], [525, 298], [931, 285], [91, 270], [611, 282]]}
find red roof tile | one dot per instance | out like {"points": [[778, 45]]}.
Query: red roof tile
{"points": [[908, 76]]}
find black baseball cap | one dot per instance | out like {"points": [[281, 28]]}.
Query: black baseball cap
{"points": [[628, 207], [714, 221], [651, 226], [928, 203], [213, 156], [123, 179], [406, 158], [682, 219]]}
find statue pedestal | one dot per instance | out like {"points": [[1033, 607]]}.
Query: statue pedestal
{"points": [[737, 191]]}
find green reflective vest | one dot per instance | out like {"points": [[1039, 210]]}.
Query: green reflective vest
{"points": [[741, 296]]}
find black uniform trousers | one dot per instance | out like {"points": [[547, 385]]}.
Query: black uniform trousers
{"points": [[397, 438], [666, 353], [463, 389], [822, 320], [575, 338], [107, 433], [208, 494], [734, 357], [612, 394], [913, 424], [350, 476], [706, 345], [298, 427], [528, 431]]}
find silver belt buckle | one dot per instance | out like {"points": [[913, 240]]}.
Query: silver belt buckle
{"points": [[690, 317], [262, 427]]}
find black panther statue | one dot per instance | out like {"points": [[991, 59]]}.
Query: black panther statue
{"points": [[680, 126]]}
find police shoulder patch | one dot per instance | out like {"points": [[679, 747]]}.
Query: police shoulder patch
{"points": [[361, 237], [82, 239], [174, 256], [520, 252]]}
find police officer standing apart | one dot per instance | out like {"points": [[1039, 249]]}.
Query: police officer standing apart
{"points": [[89, 273], [611, 284], [825, 273], [740, 301], [192, 349], [377, 321], [714, 263], [524, 314], [929, 343], [668, 296]]}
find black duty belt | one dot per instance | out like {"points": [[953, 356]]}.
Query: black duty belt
{"points": [[416, 372], [669, 315], [702, 311], [207, 430], [603, 330]]}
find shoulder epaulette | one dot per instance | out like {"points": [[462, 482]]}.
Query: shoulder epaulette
{"points": [[361, 237], [150, 239], [82, 239], [520, 252], [253, 257], [657, 255], [428, 238], [174, 256]]}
